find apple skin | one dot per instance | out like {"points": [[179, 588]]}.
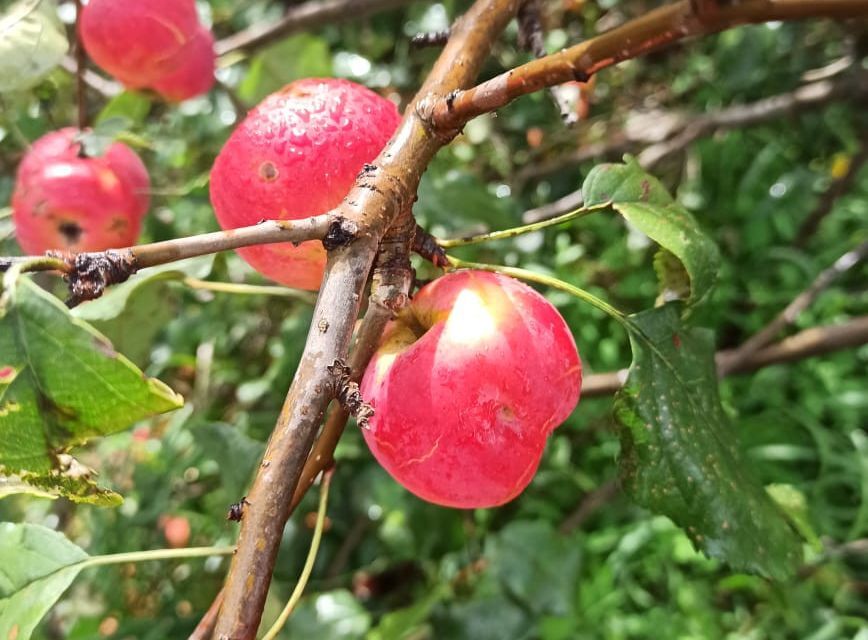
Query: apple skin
{"points": [[72, 203], [467, 385], [195, 75], [296, 155], [138, 41]]}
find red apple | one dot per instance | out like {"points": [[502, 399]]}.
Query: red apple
{"points": [[138, 41], [195, 75], [296, 155], [176, 530], [467, 385], [65, 201]]}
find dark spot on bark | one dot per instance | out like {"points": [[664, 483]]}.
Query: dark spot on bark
{"points": [[450, 99], [341, 232], [581, 76]]}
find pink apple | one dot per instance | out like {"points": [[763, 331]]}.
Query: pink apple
{"points": [[467, 385], [195, 74], [138, 41], [296, 155], [65, 201]]}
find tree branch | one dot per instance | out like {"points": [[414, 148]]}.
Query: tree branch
{"points": [[785, 318], [650, 32], [374, 202], [684, 130], [805, 344], [312, 14]]}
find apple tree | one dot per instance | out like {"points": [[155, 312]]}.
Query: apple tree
{"points": [[390, 319]]}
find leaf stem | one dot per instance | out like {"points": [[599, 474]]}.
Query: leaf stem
{"points": [[527, 228], [309, 562], [249, 289], [155, 554], [531, 276]]}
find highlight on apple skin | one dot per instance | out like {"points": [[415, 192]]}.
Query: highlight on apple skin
{"points": [[467, 385], [296, 155], [68, 202]]}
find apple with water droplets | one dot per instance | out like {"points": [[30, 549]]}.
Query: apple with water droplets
{"points": [[467, 385], [296, 155]]}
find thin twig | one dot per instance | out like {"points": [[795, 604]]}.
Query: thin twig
{"points": [[530, 33], [430, 39], [839, 188], [650, 32], [105, 88], [80, 64], [250, 289], [309, 15], [788, 316], [205, 629], [805, 344], [589, 505]]}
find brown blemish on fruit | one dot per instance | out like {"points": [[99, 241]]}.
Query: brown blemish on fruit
{"points": [[118, 224], [70, 231], [268, 171]]}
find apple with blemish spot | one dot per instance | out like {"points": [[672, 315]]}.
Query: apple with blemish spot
{"points": [[63, 200], [195, 75], [467, 384], [296, 155]]}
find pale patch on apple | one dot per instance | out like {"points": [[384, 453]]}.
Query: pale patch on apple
{"points": [[470, 321]]}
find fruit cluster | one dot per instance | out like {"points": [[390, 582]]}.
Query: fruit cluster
{"points": [[469, 380], [155, 44]]}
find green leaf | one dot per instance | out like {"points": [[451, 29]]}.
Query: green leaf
{"points": [[131, 106], [132, 313], [62, 383], [32, 42], [299, 56], [38, 565], [679, 454], [646, 205]]}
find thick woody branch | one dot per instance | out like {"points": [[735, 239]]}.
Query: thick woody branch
{"points": [[805, 344], [650, 32], [300, 18], [375, 201]]}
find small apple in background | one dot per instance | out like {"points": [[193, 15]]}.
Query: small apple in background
{"points": [[65, 201], [195, 75], [155, 44], [296, 155], [467, 385], [176, 530]]}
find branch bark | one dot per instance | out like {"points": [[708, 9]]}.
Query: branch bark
{"points": [[373, 204], [650, 32], [805, 344]]}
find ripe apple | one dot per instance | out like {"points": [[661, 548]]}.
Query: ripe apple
{"points": [[294, 156], [176, 530], [65, 201], [195, 75], [467, 384], [138, 42]]}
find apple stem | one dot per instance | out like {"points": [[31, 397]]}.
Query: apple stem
{"points": [[575, 214]]}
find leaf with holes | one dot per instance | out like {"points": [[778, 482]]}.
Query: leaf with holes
{"points": [[646, 205], [38, 565], [679, 455], [32, 42], [62, 383]]}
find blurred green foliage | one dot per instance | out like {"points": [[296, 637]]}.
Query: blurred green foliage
{"points": [[391, 566]]}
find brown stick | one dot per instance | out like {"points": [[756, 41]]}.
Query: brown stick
{"points": [[650, 32], [805, 344], [299, 18], [373, 203], [788, 316], [205, 629], [80, 63]]}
